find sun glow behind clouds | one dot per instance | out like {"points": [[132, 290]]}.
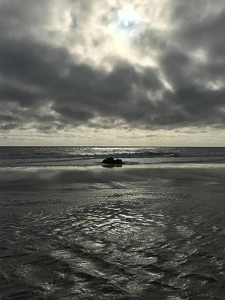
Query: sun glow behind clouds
{"points": [[113, 29], [127, 23], [126, 17], [134, 22]]}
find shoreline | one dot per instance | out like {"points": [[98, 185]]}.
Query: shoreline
{"points": [[65, 181], [164, 170], [159, 165]]}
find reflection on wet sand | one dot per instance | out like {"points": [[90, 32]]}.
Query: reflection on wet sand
{"points": [[132, 238], [112, 166]]}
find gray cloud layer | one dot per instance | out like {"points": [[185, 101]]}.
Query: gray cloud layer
{"points": [[45, 85]]}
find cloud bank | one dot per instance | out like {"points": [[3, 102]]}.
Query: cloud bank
{"points": [[121, 65]]}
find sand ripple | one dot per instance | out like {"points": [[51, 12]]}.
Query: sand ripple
{"points": [[113, 250]]}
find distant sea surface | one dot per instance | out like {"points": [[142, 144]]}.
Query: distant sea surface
{"points": [[90, 156]]}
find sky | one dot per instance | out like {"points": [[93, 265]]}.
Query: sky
{"points": [[115, 72]]}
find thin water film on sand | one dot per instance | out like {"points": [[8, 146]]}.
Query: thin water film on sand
{"points": [[133, 239]]}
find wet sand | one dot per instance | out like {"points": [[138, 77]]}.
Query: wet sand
{"points": [[112, 233]]}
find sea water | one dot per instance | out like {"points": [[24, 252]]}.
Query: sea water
{"points": [[82, 156]]}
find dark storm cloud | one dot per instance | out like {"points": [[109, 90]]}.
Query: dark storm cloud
{"points": [[25, 98], [75, 92], [8, 122], [30, 62], [202, 22], [194, 106], [67, 113], [202, 26], [44, 86], [177, 67]]}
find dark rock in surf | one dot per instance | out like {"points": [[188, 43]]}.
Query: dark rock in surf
{"points": [[112, 161]]}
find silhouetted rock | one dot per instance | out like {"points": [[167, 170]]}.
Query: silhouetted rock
{"points": [[112, 161]]}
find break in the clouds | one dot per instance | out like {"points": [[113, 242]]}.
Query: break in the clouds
{"points": [[119, 68]]}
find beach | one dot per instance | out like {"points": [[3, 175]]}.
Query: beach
{"points": [[130, 232]]}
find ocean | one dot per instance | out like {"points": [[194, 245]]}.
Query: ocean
{"points": [[90, 156], [151, 229]]}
